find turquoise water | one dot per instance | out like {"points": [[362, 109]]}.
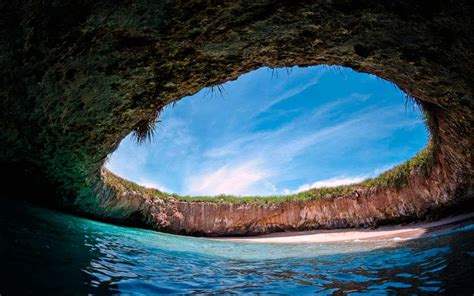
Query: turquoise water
{"points": [[43, 251]]}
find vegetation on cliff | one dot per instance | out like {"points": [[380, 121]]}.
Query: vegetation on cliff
{"points": [[396, 177]]}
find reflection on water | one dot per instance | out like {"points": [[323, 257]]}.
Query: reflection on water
{"points": [[46, 251]]}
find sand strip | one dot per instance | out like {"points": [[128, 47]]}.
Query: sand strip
{"points": [[402, 232]]}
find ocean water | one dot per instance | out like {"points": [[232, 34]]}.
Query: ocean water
{"points": [[48, 252]]}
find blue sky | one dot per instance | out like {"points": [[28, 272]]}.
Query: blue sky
{"points": [[276, 132]]}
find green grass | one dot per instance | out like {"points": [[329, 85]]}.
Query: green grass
{"points": [[396, 177]]}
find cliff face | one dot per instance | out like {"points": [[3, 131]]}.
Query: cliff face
{"points": [[425, 195], [78, 76]]}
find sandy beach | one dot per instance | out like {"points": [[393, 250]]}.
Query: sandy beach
{"points": [[399, 232]]}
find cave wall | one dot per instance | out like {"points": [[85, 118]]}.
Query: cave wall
{"points": [[78, 76]]}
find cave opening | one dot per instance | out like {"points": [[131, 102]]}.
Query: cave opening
{"points": [[79, 76], [276, 132]]}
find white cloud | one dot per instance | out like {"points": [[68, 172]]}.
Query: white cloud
{"points": [[293, 91], [241, 166], [332, 182], [129, 159], [383, 169], [152, 184], [175, 130], [232, 148], [132, 168], [361, 96], [244, 144], [269, 148], [227, 179]]}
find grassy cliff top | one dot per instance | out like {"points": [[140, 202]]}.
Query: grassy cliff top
{"points": [[397, 177]]}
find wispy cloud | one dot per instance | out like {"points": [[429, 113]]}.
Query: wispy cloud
{"points": [[236, 180], [241, 165], [296, 139], [256, 140], [288, 93], [332, 182], [129, 160], [153, 184], [361, 96]]}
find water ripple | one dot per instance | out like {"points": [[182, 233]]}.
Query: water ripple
{"points": [[65, 252]]}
